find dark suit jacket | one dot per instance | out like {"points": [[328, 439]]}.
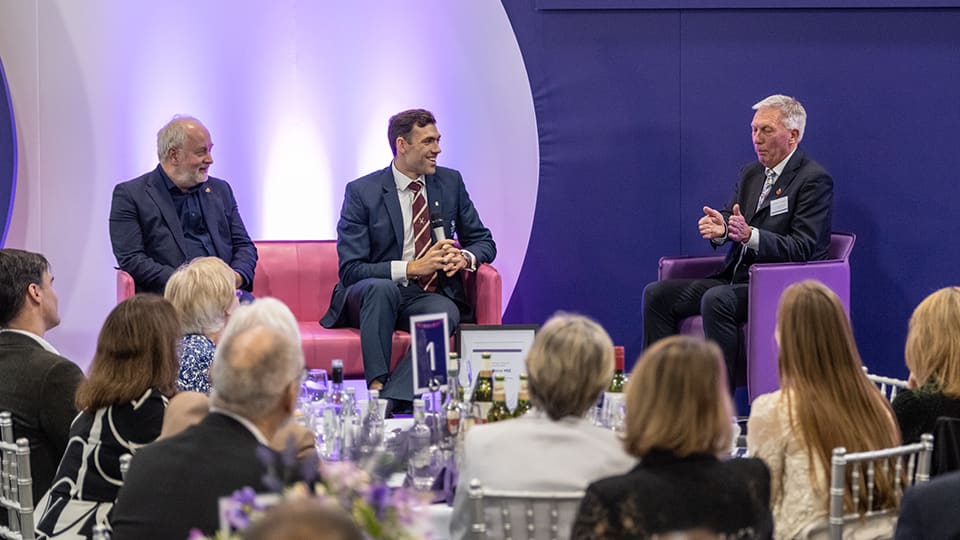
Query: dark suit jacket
{"points": [[666, 493], [175, 484], [802, 233], [929, 511], [148, 240], [37, 387], [370, 233]]}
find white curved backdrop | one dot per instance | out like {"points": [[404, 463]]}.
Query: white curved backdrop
{"points": [[296, 95]]}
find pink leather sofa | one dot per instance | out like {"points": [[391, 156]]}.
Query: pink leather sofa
{"points": [[302, 274]]}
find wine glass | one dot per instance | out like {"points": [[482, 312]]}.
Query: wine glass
{"points": [[314, 386]]}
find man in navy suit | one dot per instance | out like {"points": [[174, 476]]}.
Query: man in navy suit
{"points": [[780, 212], [177, 213], [383, 278]]}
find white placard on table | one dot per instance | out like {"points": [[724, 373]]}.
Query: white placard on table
{"points": [[507, 344]]}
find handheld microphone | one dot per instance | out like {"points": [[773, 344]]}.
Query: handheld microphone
{"points": [[436, 224]]}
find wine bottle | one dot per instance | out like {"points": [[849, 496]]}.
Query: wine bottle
{"points": [[523, 397], [483, 389], [499, 410]]}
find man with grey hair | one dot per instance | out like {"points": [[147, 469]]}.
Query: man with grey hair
{"points": [[174, 484], [781, 211], [176, 213]]}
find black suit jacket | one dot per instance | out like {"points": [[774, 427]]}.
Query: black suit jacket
{"points": [[929, 511], [801, 233], [174, 484], [666, 493], [370, 233], [38, 387], [148, 239]]}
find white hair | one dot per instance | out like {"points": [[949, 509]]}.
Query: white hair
{"points": [[249, 380], [174, 134], [793, 114]]}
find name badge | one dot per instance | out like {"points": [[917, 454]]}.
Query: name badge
{"points": [[778, 206]]}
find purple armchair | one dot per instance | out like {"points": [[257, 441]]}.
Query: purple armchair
{"points": [[767, 283]]}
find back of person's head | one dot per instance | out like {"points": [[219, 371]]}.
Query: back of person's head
{"points": [[402, 123], [136, 352], [305, 519], [259, 356], [831, 401], [569, 364], [932, 351], [203, 293], [676, 400], [18, 270]]}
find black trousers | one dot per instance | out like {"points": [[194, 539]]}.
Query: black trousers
{"points": [[723, 307]]}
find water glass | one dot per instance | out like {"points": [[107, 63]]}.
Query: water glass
{"points": [[314, 387]]}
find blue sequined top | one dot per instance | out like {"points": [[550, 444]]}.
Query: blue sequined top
{"points": [[196, 355]]}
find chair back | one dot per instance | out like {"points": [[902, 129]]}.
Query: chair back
{"points": [[946, 446], [841, 244], [521, 515], [888, 386], [16, 484], [905, 466]]}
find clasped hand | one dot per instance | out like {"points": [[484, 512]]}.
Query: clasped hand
{"points": [[442, 255]]}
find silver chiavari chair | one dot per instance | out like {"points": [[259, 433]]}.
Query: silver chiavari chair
{"points": [[521, 515], [16, 484], [888, 386], [904, 466]]}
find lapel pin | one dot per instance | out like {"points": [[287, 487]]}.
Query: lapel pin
{"points": [[436, 203], [778, 191], [208, 191]]}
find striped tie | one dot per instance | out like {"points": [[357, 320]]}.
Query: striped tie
{"points": [[421, 233], [767, 184]]}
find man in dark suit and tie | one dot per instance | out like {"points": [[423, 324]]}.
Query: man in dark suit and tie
{"points": [[391, 264], [174, 484], [780, 212], [177, 213], [37, 385]]}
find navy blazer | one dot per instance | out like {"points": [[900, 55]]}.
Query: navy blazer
{"points": [[929, 510], [370, 233], [175, 484], [801, 233], [148, 240]]}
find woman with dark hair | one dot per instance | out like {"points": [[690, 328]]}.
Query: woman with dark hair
{"points": [[122, 404], [825, 401], [679, 424]]}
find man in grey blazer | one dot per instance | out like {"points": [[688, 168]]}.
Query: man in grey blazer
{"points": [[37, 385], [781, 211]]}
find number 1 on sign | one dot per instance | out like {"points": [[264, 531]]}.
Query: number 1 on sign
{"points": [[431, 350]]}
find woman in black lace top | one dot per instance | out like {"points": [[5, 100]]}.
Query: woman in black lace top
{"points": [[933, 356], [678, 422]]}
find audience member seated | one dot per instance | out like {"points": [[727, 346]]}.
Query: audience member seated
{"points": [[928, 510], [933, 357], [553, 447], [133, 372], [189, 408], [825, 401], [679, 424], [37, 385], [305, 519], [174, 485], [202, 292]]}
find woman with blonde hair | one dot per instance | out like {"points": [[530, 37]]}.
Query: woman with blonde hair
{"points": [[203, 293], [825, 401], [679, 424], [122, 403], [554, 447], [932, 354]]}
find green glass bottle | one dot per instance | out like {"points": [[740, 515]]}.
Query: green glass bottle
{"points": [[499, 410], [616, 384], [523, 397], [483, 389]]}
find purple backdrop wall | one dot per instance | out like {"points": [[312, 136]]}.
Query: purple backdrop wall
{"points": [[643, 117]]}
